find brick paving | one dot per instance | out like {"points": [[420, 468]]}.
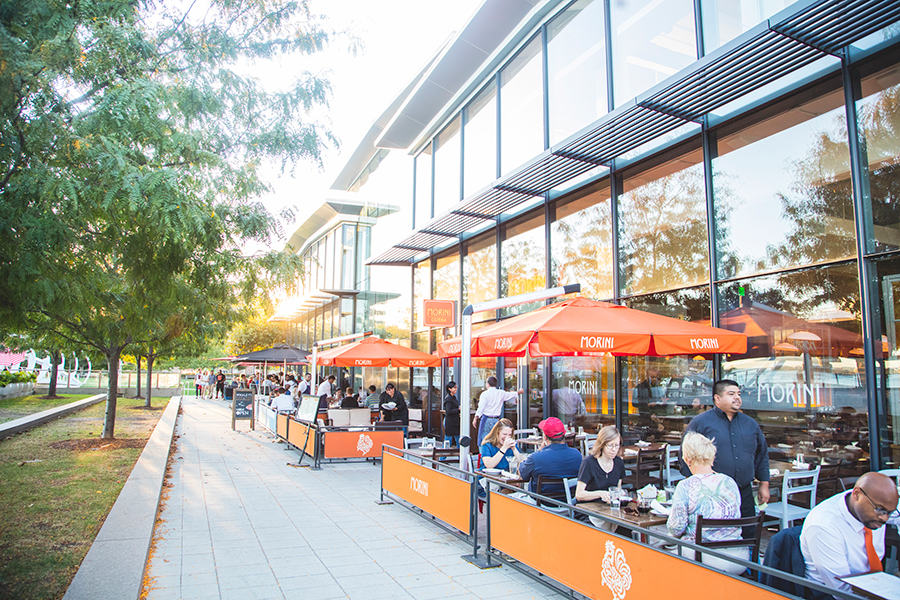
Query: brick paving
{"points": [[239, 522]]}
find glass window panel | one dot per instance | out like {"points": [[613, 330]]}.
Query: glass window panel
{"points": [[662, 224], [481, 141], [581, 244], [445, 281], [783, 192], [423, 186], [522, 262], [421, 291], [446, 168], [480, 281], [576, 61], [724, 20], [664, 393], [320, 267], [346, 323], [521, 108], [583, 391], [802, 376], [347, 255], [878, 114], [887, 357], [651, 41]]}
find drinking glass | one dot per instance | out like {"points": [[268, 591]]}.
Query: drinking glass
{"points": [[614, 500]]}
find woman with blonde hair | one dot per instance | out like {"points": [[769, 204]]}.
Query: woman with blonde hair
{"points": [[499, 446], [707, 493], [602, 468]]}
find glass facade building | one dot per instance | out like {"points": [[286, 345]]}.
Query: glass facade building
{"points": [[688, 158]]}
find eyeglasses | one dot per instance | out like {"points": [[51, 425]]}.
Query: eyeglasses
{"points": [[893, 514]]}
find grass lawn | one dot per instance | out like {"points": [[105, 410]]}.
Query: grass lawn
{"points": [[57, 484], [15, 408]]}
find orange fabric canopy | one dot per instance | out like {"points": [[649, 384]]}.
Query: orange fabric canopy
{"points": [[582, 327], [375, 352]]}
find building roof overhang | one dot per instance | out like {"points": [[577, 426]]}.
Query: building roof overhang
{"points": [[789, 41]]}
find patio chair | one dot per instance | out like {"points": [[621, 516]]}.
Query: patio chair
{"points": [[753, 543], [672, 474], [587, 443], [783, 511], [444, 455], [646, 469], [557, 488]]}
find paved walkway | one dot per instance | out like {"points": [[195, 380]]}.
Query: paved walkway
{"points": [[240, 523]]}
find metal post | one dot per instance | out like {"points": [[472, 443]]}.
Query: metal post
{"points": [[465, 383]]}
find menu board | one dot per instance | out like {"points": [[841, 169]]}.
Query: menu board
{"points": [[242, 406], [309, 408]]}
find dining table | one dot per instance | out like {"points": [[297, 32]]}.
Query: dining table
{"points": [[641, 521]]}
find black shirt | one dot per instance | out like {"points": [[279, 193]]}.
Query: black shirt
{"points": [[451, 416], [741, 449], [595, 478]]}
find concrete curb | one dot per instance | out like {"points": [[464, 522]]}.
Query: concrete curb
{"points": [[31, 421], [114, 566]]}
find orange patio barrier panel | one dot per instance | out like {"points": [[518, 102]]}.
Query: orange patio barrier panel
{"points": [[303, 436], [599, 565], [359, 444], [281, 426], [439, 494]]}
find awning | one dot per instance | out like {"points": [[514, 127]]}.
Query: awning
{"points": [[583, 327]]}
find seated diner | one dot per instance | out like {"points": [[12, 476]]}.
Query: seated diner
{"points": [[554, 458], [499, 447], [602, 468], [710, 494]]}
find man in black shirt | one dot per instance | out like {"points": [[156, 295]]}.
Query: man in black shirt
{"points": [[741, 449]]}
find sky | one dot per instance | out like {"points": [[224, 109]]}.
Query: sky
{"points": [[399, 37]]}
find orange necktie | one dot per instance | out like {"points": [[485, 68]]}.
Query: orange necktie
{"points": [[874, 561]]}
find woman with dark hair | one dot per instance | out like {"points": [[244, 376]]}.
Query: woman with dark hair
{"points": [[400, 411], [451, 415]]}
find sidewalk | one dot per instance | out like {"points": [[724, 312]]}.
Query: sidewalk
{"points": [[240, 523]]}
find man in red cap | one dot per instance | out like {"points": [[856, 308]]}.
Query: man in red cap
{"points": [[554, 458]]}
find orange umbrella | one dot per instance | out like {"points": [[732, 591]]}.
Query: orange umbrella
{"points": [[582, 327], [376, 352]]}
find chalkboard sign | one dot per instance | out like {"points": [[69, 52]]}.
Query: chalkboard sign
{"points": [[242, 406]]}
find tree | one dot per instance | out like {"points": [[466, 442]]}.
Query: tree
{"points": [[130, 162], [254, 332]]}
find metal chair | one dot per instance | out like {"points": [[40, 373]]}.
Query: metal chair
{"points": [[588, 442], [787, 513], [753, 543], [444, 455], [672, 473]]}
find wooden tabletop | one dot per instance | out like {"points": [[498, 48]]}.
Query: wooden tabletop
{"points": [[640, 520], [499, 477]]}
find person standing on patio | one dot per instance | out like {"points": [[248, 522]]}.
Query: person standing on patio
{"points": [[741, 449], [490, 407], [306, 384], [451, 415], [400, 411], [326, 388]]}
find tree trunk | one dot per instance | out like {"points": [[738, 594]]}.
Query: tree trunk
{"points": [[138, 393], [55, 358], [150, 358], [113, 355]]}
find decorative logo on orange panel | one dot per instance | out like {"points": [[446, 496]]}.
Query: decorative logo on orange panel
{"points": [[616, 574], [364, 444], [439, 313]]}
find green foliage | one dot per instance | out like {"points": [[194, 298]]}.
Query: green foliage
{"points": [[254, 334], [7, 377], [131, 145]]}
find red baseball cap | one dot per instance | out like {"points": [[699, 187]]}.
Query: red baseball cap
{"points": [[553, 428]]}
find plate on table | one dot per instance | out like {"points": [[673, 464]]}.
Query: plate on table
{"points": [[491, 471]]}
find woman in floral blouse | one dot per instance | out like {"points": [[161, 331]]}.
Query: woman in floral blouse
{"points": [[707, 493]]}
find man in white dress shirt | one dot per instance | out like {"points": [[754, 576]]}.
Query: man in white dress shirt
{"points": [[844, 535], [326, 388], [490, 407]]}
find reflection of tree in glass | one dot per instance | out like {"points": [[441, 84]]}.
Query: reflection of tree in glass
{"points": [[879, 124], [820, 207], [480, 283], [446, 281], [582, 251], [663, 227], [522, 269]]}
